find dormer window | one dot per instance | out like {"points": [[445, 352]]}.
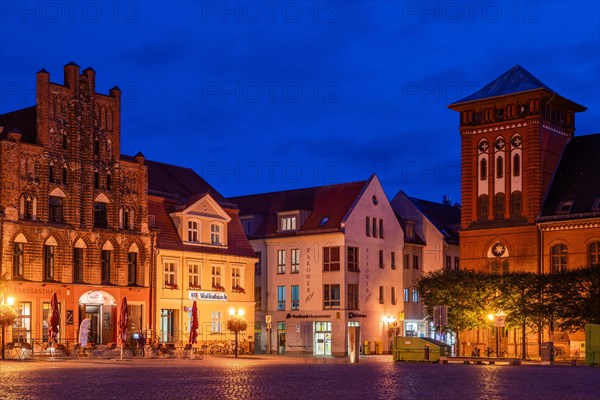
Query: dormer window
{"points": [[564, 207], [288, 223], [193, 231], [410, 230], [215, 234]]}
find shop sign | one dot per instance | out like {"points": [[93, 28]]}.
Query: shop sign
{"points": [[199, 295], [302, 316], [356, 315]]}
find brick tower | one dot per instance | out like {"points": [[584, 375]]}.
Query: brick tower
{"points": [[513, 132]]}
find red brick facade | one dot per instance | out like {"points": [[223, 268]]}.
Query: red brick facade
{"points": [[68, 197]]}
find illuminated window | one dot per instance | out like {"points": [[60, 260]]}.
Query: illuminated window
{"points": [[281, 261], [280, 298], [295, 297], [288, 223], [295, 254]]}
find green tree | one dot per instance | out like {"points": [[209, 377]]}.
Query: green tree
{"points": [[574, 298], [469, 296]]}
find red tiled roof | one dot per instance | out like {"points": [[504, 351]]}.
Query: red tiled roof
{"points": [[170, 187], [333, 201], [177, 182], [168, 238]]}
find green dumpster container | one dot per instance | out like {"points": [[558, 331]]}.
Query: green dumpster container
{"points": [[592, 344], [408, 348], [366, 347]]}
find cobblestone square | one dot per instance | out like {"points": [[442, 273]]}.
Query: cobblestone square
{"points": [[290, 377]]}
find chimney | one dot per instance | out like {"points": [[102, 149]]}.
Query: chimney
{"points": [[446, 200]]}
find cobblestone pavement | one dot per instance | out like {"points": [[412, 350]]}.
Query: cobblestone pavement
{"points": [[290, 377]]}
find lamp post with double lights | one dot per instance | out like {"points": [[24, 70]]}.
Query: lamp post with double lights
{"points": [[236, 324], [391, 329]]}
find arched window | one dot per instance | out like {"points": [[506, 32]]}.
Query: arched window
{"points": [[49, 250], [499, 204], [558, 258], [132, 259], [78, 260], [516, 203], [482, 207], [101, 211], [105, 262], [499, 167], [483, 169], [516, 165], [18, 260], [594, 254]]}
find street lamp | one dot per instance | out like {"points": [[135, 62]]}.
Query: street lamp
{"points": [[391, 320], [236, 324], [7, 317]]}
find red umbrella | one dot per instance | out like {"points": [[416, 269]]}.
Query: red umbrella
{"points": [[194, 325], [53, 320], [123, 319]]}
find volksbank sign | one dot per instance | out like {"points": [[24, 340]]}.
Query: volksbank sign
{"points": [[219, 296]]}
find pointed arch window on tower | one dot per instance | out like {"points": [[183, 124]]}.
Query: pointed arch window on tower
{"points": [[482, 207], [49, 261], [483, 169], [516, 203], [499, 167], [499, 200], [108, 181], [516, 165]]}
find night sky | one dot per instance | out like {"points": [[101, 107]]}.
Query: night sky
{"points": [[272, 95]]}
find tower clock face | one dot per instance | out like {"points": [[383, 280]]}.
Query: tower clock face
{"points": [[483, 146], [498, 249], [500, 144]]}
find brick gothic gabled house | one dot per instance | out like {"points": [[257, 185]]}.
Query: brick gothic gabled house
{"points": [[530, 192], [73, 211]]}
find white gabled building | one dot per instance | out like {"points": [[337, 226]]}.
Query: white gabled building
{"points": [[330, 259], [430, 244]]}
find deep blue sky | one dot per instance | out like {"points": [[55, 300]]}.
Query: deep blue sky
{"points": [[263, 96]]}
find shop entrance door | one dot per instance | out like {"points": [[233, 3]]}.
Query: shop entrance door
{"points": [[167, 328], [281, 328], [94, 334], [322, 339]]}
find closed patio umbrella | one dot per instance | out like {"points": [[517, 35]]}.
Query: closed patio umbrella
{"points": [[123, 319], [194, 325], [53, 321]]}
